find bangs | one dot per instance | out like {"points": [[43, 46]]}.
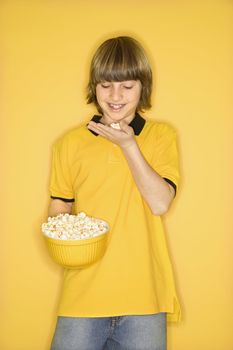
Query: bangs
{"points": [[116, 63], [116, 72]]}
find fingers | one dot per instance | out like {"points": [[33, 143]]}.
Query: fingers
{"points": [[99, 128], [117, 136]]}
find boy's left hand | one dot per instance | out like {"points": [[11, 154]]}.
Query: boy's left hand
{"points": [[123, 137]]}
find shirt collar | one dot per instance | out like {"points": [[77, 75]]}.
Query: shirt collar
{"points": [[137, 123]]}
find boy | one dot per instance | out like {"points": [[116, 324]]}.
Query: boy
{"points": [[123, 169]]}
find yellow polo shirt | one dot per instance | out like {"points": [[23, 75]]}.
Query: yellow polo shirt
{"points": [[135, 275]]}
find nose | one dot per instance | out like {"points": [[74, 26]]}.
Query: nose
{"points": [[115, 93]]}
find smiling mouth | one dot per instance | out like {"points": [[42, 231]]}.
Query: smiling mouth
{"points": [[116, 106]]}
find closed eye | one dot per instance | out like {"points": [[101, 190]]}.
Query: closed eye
{"points": [[125, 86]]}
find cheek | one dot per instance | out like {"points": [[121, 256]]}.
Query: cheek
{"points": [[100, 95], [138, 96], [139, 92]]}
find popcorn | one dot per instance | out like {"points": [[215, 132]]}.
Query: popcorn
{"points": [[115, 126], [73, 227]]}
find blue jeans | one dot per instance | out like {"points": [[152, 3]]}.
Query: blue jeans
{"points": [[140, 332]]}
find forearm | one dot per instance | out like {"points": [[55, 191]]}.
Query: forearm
{"points": [[154, 189], [58, 206]]}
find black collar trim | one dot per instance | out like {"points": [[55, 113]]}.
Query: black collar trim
{"points": [[137, 123]]}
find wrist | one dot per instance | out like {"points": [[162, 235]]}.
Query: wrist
{"points": [[129, 146]]}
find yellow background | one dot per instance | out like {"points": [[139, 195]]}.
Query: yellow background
{"points": [[46, 51]]}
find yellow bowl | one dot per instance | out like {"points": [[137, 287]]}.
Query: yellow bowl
{"points": [[76, 254]]}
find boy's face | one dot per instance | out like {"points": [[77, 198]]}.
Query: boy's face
{"points": [[118, 100]]}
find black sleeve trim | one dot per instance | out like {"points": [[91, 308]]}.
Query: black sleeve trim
{"points": [[63, 199], [171, 183]]}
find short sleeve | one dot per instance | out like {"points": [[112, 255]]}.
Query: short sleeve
{"points": [[60, 178], [165, 158]]}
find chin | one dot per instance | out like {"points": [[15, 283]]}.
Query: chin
{"points": [[120, 116]]}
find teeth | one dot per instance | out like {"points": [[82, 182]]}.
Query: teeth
{"points": [[115, 106]]}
